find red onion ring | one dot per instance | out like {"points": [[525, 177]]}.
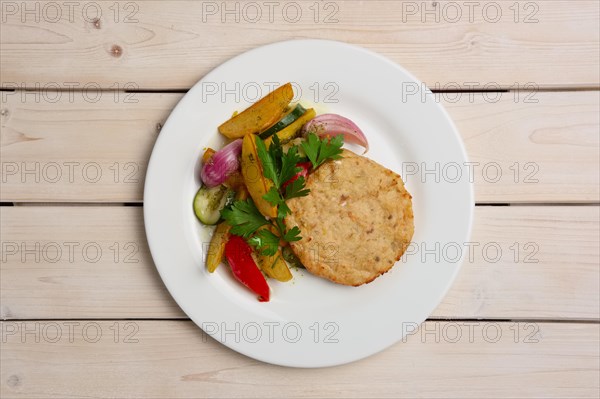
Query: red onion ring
{"points": [[223, 163], [333, 125]]}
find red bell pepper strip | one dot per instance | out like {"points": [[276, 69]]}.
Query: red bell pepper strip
{"points": [[305, 167], [238, 255]]}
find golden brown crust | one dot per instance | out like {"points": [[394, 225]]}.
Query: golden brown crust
{"points": [[356, 222]]}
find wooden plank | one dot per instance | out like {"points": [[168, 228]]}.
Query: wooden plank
{"points": [[548, 267], [96, 259], [144, 44], [63, 262], [75, 150], [531, 147], [166, 359], [544, 151]]}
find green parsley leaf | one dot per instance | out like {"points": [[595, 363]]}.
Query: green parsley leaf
{"points": [[320, 150], [276, 150], [288, 165], [278, 166], [296, 189], [331, 149], [267, 161], [273, 197], [265, 241], [244, 218], [283, 210], [280, 225], [292, 234], [311, 148]]}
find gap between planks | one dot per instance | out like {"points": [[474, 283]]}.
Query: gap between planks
{"points": [[184, 91], [445, 319], [141, 204]]}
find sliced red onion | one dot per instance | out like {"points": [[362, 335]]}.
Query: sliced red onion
{"points": [[332, 125], [223, 163]]}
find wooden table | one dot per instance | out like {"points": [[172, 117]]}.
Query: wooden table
{"points": [[86, 88]]}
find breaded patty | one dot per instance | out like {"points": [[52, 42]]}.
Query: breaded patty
{"points": [[356, 222]]}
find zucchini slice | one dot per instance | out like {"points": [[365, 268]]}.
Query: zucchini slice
{"points": [[209, 202], [290, 132], [284, 122]]}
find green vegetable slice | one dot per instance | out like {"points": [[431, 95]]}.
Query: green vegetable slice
{"points": [[209, 202], [287, 120]]}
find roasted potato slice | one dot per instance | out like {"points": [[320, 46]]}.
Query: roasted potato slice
{"points": [[259, 116], [256, 182]]}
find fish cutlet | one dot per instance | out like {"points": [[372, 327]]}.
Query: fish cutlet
{"points": [[356, 222]]}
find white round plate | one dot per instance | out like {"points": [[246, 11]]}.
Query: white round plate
{"points": [[311, 322]]}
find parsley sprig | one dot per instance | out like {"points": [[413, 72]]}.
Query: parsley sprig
{"points": [[244, 218], [279, 166], [320, 150]]}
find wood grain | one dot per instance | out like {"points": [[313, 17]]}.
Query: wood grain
{"points": [[146, 45], [546, 150], [90, 261], [80, 151], [75, 150], [102, 263], [169, 359]]}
